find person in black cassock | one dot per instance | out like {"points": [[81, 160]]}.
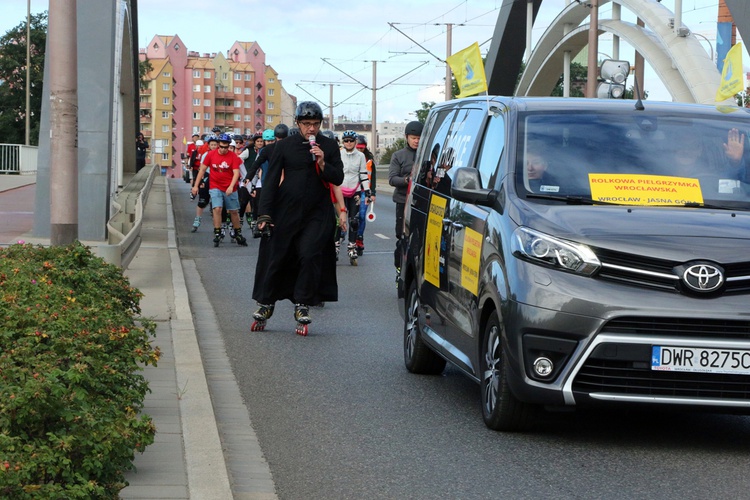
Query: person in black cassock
{"points": [[298, 261]]}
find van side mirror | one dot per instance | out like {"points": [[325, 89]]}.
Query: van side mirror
{"points": [[467, 187]]}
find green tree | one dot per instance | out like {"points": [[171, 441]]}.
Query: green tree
{"points": [[13, 80], [399, 144], [144, 68], [422, 113], [578, 73]]}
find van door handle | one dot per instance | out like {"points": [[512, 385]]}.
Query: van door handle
{"points": [[446, 223], [457, 226]]}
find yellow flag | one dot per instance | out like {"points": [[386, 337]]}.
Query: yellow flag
{"points": [[732, 78], [184, 140], [468, 69]]}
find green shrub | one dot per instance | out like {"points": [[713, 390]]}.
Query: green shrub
{"points": [[70, 388]]}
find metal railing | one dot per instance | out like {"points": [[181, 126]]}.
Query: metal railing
{"points": [[18, 159], [124, 227]]}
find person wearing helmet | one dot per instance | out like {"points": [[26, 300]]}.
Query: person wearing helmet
{"points": [[204, 197], [268, 135], [281, 131], [372, 178], [399, 176], [298, 261], [355, 186], [225, 172]]}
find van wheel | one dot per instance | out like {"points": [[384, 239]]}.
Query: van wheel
{"points": [[501, 410], [418, 357]]}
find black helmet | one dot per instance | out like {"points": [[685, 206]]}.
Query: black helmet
{"points": [[216, 130], [308, 110], [413, 128], [329, 134], [361, 139], [294, 131], [281, 131]]}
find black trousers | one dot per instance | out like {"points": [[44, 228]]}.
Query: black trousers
{"points": [[400, 207]]}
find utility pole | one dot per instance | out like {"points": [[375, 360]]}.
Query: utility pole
{"points": [[28, 72], [63, 66], [330, 106], [593, 69], [374, 139], [448, 53]]}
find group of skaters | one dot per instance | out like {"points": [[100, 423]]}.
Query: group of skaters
{"points": [[302, 194]]}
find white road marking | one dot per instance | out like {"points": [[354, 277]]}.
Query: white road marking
{"points": [[382, 236]]}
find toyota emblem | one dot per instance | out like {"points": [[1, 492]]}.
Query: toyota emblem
{"points": [[703, 277]]}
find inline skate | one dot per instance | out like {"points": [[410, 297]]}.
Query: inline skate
{"points": [[261, 316], [302, 317]]}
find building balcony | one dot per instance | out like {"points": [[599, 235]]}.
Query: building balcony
{"points": [[145, 118], [145, 91], [146, 133], [144, 105]]}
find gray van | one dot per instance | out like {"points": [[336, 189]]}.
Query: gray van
{"points": [[575, 252]]}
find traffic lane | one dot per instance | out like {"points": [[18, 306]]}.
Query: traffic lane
{"points": [[338, 416], [17, 213]]}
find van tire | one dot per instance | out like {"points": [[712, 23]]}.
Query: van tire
{"points": [[501, 410], [418, 357]]}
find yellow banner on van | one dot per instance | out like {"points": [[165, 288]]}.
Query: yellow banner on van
{"points": [[432, 240], [630, 189], [470, 260]]}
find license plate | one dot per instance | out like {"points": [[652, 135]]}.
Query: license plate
{"points": [[700, 359]]}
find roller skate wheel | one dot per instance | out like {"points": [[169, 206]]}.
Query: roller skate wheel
{"points": [[258, 326], [301, 329], [353, 261]]}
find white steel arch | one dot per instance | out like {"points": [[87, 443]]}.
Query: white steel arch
{"points": [[680, 62]]}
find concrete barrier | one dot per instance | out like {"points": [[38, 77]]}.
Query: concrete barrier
{"points": [[124, 227]]}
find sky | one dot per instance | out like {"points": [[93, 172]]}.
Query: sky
{"points": [[314, 45]]}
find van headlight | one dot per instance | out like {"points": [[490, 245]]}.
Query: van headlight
{"points": [[544, 249]]}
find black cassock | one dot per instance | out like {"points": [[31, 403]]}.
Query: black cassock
{"points": [[298, 261]]}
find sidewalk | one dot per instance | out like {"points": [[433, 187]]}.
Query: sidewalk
{"points": [[187, 459]]}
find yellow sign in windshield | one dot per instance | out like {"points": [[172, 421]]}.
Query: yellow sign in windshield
{"points": [[628, 189]]}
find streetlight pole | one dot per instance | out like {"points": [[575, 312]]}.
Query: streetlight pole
{"points": [[448, 82], [28, 72], [593, 50]]}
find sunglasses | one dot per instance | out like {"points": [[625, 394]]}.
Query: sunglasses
{"points": [[348, 140], [223, 147]]}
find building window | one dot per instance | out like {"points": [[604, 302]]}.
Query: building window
{"points": [[237, 90], [206, 116], [255, 52], [165, 114], [258, 86], [196, 102], [271, 80], [248, 118], [167, 74], [237, 118], [248, 77], [196, 88], [238, 76], [269, 119], [247, 91], [165, 156], [165, 86], [177, 47], [248, 104], [196, 116], [237, 104], [165, 100], [165, 128], [207, 89], [206, 74], [196, 73], [223, 76], [270, 105], [270, 92], [207, 102]]}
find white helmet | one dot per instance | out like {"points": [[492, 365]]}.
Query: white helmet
{"points": [[199, 142]]}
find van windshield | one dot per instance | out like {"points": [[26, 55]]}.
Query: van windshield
{"points": [[637, 159]]}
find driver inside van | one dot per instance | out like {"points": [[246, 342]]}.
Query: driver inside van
{"points": [[536, 176], [719, 169]]}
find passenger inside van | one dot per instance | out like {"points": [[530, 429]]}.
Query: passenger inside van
{"points": [[537, 177]]}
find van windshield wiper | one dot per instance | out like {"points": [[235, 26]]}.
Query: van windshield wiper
{"points": [[569, 199]]}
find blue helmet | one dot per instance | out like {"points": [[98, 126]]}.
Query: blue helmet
{"points": [[268, 135], [349, 134], [225, 138]]}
